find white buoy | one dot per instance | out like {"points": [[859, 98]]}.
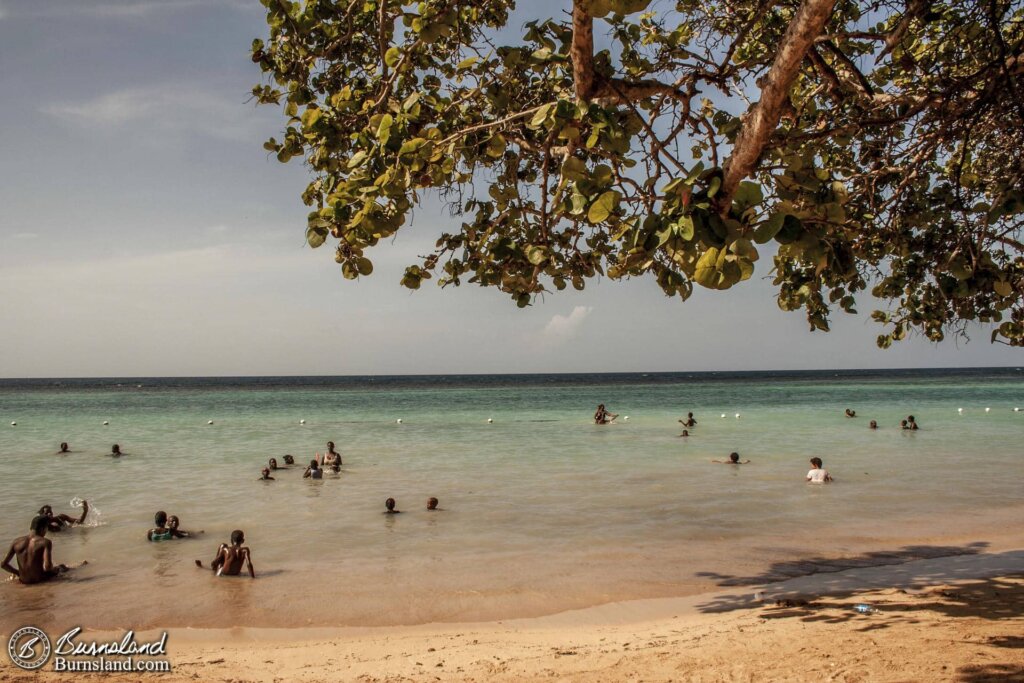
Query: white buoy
{"points": [[737, 416], [105, 423], [1016, 410], [625, 418], [960, 410], [723, 415], [490, 420], [302, 422], [399, 421], [987, 409], [14, 424], [210, 422]]}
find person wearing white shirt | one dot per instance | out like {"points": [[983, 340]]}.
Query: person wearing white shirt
{"points": [[818, 475]]}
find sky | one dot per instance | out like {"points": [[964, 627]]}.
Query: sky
{"points": [[144, 231]]}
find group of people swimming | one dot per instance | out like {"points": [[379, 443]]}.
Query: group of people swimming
{"points": [[909, 424], [65, 449]]}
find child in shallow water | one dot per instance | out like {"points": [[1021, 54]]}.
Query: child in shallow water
{"points": [[818, 474]]}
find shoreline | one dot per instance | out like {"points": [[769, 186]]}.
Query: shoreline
{"points": [[971, 606]]}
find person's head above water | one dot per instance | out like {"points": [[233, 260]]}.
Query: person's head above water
{"points": [[160, 519], [873, 424], [46, 511], [600, 406], [330, 445], [289, 460], [686, 432], [115, 449], [734, 457], [910, 418], [40, 524], [816, 462], [432, 503], [63, 446], [265, 472], [314, 465], [273, 463], [173, 522], [237, 537], [389, 503]]}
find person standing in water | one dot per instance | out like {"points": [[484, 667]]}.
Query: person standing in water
{"points": [[818, 474], [231, 558], [313, 471], [34, 554], [689, 421], [331, 456], [911, 422], [172, 526], [602, 416]]}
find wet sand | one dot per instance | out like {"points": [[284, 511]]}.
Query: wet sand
{"points": [[958, 618]]}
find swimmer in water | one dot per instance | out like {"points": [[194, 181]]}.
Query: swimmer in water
{"points": [[160, 532], [34, 554], [689, 421], [265, 475], [432, 503], [172, 526], [851, 413], [818, 474], [904, 425], [390, 505], [313, 471], [331, 456], [911, 422], [602, 416], [289, 460], [734, 459], [273, 464], [873, 425], [59, 522], [336, 467], [63, 448], [115, 451], [231, 558], [686, 432]]}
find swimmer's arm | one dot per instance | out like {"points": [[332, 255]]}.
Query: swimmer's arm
{"points": [[307, 474], [745, 462], [7, 562], [828, 477], [47, 558], [85, 511], [248, 563], [219, 560]]}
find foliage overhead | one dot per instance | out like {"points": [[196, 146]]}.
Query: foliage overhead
{"points": [[863, 145]]}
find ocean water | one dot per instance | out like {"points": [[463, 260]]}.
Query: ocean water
{"points": [[541, 509]]}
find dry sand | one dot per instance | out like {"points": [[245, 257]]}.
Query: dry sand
{"points": [[940, 619]]}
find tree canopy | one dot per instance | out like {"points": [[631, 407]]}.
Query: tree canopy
{"points": [[874, 145]]}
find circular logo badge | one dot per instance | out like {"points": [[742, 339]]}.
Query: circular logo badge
{"points": [[29, 648]]}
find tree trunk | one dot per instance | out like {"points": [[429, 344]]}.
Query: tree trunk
{"points": [[762, 119], [582, 51]]}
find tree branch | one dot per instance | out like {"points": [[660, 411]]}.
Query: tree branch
{"points": [[764, 116], [581, 51]]}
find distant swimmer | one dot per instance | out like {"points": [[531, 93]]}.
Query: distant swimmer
{"points": [[873, 425], [818, 474], [331, 456], [59, 522], [603, 417], [911, 422], [172, 525], [390, 505], [686, 432], [273, 464], [432, 504], [289, 460], [689, 421], [851, 413], [115, 451], [231, 558], [313, 471], [64, 448], [336, 467], [265, 475], [734, 459], [34, 554], [904, 424]]}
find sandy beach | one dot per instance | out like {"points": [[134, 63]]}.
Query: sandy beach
{"points": [[958, 618]]}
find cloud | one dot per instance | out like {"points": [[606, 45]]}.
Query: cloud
{"points": [[562, 328], [166, 109]]}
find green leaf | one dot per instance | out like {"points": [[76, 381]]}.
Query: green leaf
{"points": [[574, 168], [706, 271], [748, 194], [496, 146], [384, 128], [684, 228], [1003, 288], [713, 188], [466, 63], [603, 207], [537, 254], [629, 6], [541, 115], [767, 231], [597, 8], [363, 265], [316, 236], [357, 159]]}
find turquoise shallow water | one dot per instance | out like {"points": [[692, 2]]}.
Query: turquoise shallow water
{"points": [[542, 509]]}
